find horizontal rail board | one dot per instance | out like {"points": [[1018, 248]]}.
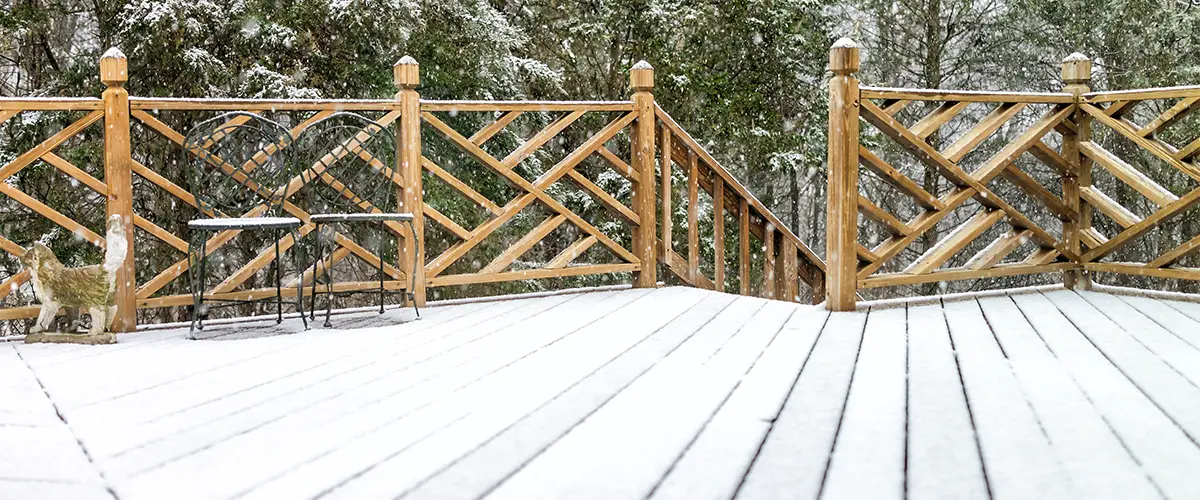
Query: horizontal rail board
{"points": [[956, 274], [173, 103], [1143, 94], [529, 274], [962, 95], [469, 106], [50, 103], [1141, 270]]}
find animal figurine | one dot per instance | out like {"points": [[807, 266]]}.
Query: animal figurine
{"points": [[89, 287]]}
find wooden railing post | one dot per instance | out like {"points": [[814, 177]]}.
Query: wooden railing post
{"points": [[641, 81], [118, 177], [1077, 75], [841, 257], [786, 274], [406, 73]]}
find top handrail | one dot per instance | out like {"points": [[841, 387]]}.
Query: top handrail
{"points": [[49, 103], [1142, 94], [868, 92]]}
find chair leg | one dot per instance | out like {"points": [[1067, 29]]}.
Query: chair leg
{"points": [[201, 312], [412, 294], [329, 291], [297, 261], [382, 231], [192, 283], [316, 261], [278, 283]]}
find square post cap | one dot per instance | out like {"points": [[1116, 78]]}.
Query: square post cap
{"points": [[641, 77], [843, 56], [406, 73], [114, 68], [1076, 68]]}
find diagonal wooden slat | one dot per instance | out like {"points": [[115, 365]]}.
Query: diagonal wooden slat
{"points": [[1119, 108], [321, 266], [617, 163], [12, 248], [606, 199], [460, 186], [569, 254], [955, 241], [1108, 206], [1154, 147], [1092, 237], [516, 250], [937, 118], [1128, 174], [998, 249], [99, 187], [982, 130], [1041, 257], [162, 182], [1189, 151], [890, 175], [1175, 113], [1051, 158], [883, 217], [447, 222], [865, 254], [482, 136], [893, 106], [1030, 137], [1035, 189], [540, 139], [1154, 220], [12, 283], [49, 144], [1173, 255], [6, 114], [52, 214]]}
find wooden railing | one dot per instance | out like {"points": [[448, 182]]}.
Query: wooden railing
{"points": [[444, 169], [1053, 224]]}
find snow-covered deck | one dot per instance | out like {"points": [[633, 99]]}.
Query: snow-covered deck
{"points": [[669, 393]]}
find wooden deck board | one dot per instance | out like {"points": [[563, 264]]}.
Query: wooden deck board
{"points": [[484, 468], [793, 459], [1078, 432], [869, 455], [1170, 390], [624, 448], [1017, 457], [663, 394], [715, 463], [1166, 453]]}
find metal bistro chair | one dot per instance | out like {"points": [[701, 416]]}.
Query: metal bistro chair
{"points": [[240, 170], [350, 178]]}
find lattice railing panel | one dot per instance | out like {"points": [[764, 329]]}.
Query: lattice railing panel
{"points": [[1146, 182], [546, 216], [960, 163]]}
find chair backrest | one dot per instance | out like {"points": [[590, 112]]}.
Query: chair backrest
{"points": [[349, 164], [240, 165]]}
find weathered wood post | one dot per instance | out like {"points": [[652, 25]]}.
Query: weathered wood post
{"points": [[407, 75], [118, 177], [1076, 75], [769, 284], [841, 257], [641, 81]]}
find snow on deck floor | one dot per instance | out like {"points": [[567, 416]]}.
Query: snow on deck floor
{"points": [[667, 393]]}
